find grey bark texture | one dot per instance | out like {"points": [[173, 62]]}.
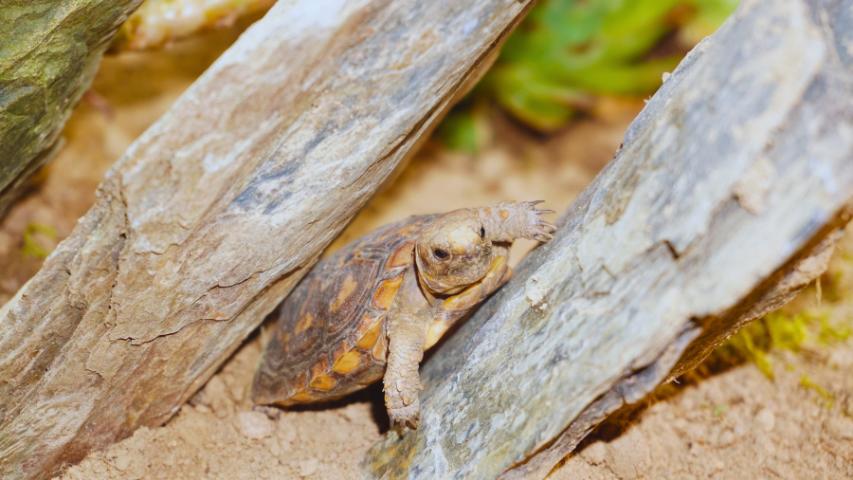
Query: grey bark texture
{"points": [[216, 211], [49, 52], [723, 201]]}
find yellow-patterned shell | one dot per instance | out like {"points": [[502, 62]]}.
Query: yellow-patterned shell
{"points": [[329, 339]]}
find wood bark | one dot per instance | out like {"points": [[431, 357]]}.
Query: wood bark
{"points": [[215, 212], [723, 201], [50, 52]]}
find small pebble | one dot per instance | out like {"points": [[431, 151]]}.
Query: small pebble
{"points": [[286, 432], [254, 425], [766, 444], [842, 427], [726, 438], [275, 448], [695, 449], [595, 454], [841, 358], [216, 397], [237, 392], [308, 467], [716, 464], [766, 419], [695, 432], [121, 461]]}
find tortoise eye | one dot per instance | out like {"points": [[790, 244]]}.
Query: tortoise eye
{"points": [[482, 232], [440, 254]]}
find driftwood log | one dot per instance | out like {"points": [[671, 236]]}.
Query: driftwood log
{"points": [[50, 52], [723, 201], [215, 212]]}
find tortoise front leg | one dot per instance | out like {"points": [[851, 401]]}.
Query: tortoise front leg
{"points": [[508, 221], [412, 330], [406, 335]]}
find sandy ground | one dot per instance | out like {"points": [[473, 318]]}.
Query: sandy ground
{"points": [[734, 424], [739, 424]]}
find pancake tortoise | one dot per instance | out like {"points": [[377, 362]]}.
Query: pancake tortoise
{"points": [[370, 310]]}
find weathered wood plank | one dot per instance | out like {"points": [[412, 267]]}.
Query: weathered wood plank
{"points": [[216, 211], [49, 52], [722, 201]]}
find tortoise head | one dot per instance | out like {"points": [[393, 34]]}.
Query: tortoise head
{"points": [[453, 252]]}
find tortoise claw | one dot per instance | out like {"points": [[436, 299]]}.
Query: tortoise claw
{"points": [[405, 417], [537, 228]]}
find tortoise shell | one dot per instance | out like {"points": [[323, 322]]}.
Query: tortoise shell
{"points": [[329, 339]]}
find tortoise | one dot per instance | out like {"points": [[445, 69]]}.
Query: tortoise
{"points": [[371, 310]]}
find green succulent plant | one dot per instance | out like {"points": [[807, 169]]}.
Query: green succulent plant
{"points": [[567, 53]]}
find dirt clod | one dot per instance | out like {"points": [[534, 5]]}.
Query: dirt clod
{"points": [[254, 425]]}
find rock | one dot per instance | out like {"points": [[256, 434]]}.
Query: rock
{"points": [[254, 425]]}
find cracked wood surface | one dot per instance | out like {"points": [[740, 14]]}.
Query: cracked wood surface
{"points": [[50, 52], [216, 211], [724, 200]]}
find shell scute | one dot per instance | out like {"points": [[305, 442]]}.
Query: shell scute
{"points": [[347, 363], [386, 291]]}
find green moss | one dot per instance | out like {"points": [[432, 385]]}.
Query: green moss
{"points": [[819, 317], [781, 331], [33, 246], [826, 396], [829, 332], [52, 52]]}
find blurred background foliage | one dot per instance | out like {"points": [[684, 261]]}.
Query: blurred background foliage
{"points": [[569, 53]]}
